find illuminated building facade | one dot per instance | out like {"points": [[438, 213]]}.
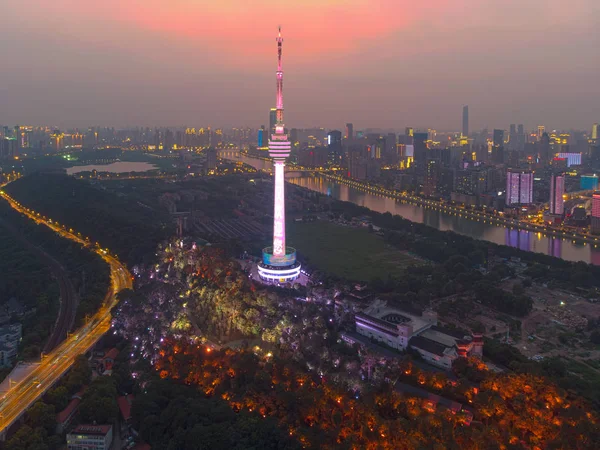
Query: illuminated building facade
{"points": [[595, 223], [573, 159], [557, 190], [588, 182], [261, 137], [519, 187], [279, 261]]}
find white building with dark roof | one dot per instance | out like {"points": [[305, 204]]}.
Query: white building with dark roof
{"points": [[401, 330]]}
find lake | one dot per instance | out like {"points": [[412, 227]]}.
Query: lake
{"points": [[116, 167]]}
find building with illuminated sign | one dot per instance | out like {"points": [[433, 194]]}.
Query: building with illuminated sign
{"points": [[279, 261]]}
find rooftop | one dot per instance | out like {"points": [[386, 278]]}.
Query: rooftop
{"points": [[64, 415], [394, 316], [444, 336], [99, 430], [428, 345], [125, 406], [112, 354]]}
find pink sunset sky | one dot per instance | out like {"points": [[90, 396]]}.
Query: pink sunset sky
{"points": [[387, 64]]}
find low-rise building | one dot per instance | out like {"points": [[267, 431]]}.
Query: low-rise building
{"points": [[66, 416], [10, 336], [392, 326], [441, 346], [124, 403], [401, 330], [90, 437]]}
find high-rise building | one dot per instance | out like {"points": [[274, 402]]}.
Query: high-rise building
{"points": [[261, 137], [519, 187], [595, 131], [279, 261], [420, 149], [557, 190], [211, 158], [541, 129], [595, 222], [349, 132], [431, 176], [334, 144], [465, 121], [498, 147], [19, 139], [8, 148], [544, 147], [169, 140], [272, 120]]}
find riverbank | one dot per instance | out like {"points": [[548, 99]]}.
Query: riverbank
{"points": [[463, 212]]}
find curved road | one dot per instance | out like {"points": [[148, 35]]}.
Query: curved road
{"points": [[53, 366], [68, 295]]}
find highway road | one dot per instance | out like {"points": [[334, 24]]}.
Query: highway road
{"points": [[55, 363]]}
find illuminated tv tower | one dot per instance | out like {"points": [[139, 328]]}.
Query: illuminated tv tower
{"points": [[279, 262]]}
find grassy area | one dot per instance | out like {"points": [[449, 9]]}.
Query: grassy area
{"points": [[352, 253]]}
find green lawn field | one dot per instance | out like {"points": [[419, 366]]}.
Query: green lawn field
{"points": [[347, 252]]}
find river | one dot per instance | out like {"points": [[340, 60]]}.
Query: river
{"points": [[525, 240]]}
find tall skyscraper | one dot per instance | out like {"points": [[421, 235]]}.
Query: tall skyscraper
{"points": [[512, 135], [519, 187], [595, 131], [349, 133], [261, 137], [18, 137], [272, 120], [279, 261], [465, 121], [557, 190]]}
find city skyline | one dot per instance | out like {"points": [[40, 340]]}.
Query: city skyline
{"points": [[388, 66]]}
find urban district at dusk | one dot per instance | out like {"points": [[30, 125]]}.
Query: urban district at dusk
{"points": [[410, 278]]}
